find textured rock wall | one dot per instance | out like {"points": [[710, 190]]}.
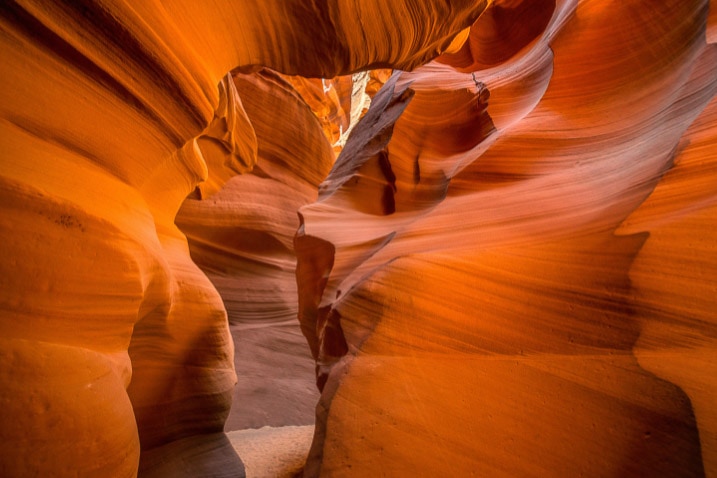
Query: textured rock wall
{"points": [[242, 238], [510, 271], [517, 255], [113, 340]]}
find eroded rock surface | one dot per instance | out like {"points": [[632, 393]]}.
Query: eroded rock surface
{"points": [[242, 238], [509, 271], [503, 293], [116, 349]]}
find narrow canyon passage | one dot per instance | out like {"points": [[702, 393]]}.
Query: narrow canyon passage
{"points": [[507, 268], [242, 238]]}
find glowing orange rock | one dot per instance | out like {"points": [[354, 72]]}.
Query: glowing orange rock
{"points": [[675, 276], [112, 113], [493, 317], [501, 276], [331, 102], [340, 102]]}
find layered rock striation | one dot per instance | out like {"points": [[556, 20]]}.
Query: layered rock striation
{"points": [[242, 238], [509, 270], [504, 251], [116, 352]]}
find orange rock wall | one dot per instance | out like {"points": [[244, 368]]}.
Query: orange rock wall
{"points": [[112, 113], [242, 238], [115, 346], [518, 270], [510, 270]]}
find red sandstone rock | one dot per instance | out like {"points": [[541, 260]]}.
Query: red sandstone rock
{"points": [[483, 351], [242, 238], [112, 113], [504, 274]]}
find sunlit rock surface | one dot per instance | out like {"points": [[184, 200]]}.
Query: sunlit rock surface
{"points": [[510, 271], [340, 102], [506, 294], [114, 341]]}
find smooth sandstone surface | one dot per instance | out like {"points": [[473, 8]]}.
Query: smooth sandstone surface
{"points": [[112, 114], [564, 322], [242, 238], [510, 270]]}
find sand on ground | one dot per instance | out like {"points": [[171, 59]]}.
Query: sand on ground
{"points": [[273, 452]]}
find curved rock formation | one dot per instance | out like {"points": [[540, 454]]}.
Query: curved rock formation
{"points": [[675, 277], [510, 270], [112, 113], [480, 307], [242, 238]]}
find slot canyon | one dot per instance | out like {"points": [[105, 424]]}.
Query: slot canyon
{"points": [[358, 238]]}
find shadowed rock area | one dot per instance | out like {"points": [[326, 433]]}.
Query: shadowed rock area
{"points": [[463, 238]]}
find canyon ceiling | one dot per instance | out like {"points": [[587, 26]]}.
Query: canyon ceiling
{"points": [[510, 268]]}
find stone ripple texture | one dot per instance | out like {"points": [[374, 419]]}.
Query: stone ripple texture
{"points": [[509, 270]]}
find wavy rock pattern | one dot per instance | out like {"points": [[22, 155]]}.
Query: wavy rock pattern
{"points": [[489, 302], [242, 238], [510, 271], [116, 352]]}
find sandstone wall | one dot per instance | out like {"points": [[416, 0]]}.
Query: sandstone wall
{"points": [[517, 259], [509, 271], [114, 341]]}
